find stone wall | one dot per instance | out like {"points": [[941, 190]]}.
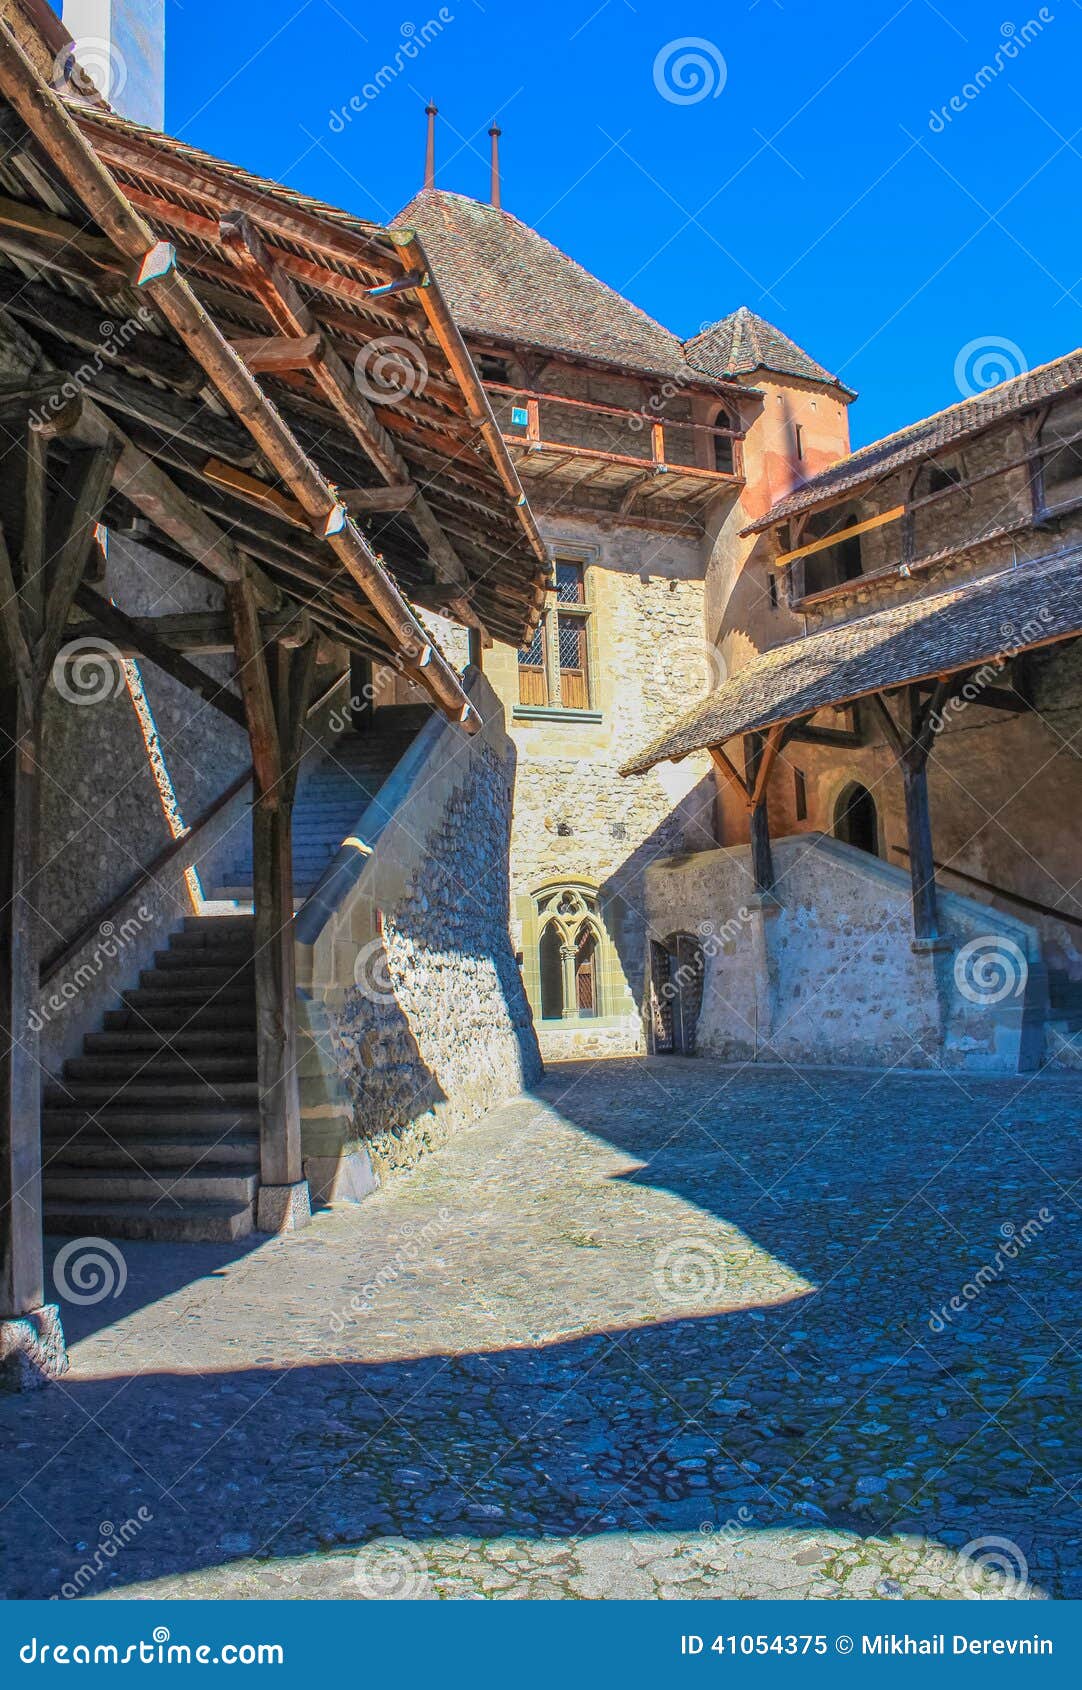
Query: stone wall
{"points": [[575, 817], [828, 974], [416, 1019]]}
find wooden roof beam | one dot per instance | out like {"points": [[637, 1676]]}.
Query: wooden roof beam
{"points": [[282, 300], [52, 125]]}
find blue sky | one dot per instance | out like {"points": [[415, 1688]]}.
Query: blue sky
{"points": [[814, 187]]}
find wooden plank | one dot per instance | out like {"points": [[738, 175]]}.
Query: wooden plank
{"points": [[730, 772], [332, 376], [89, 478], [895, 514], [143, 353], [274, 353], [257, 492], [361, 500]]}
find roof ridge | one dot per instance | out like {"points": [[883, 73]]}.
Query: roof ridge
{"points": [[575, 264]]}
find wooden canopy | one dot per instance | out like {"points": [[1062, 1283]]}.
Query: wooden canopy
{"points": [[291, 374]]}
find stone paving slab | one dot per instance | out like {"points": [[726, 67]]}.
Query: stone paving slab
{"points": [[662, 1328]]}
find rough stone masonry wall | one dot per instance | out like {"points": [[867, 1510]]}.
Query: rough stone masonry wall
{"points": [[828, 974], [435, 1029], [575, 817]]}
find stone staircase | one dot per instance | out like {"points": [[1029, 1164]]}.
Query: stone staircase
{"points": [[331, 796], [153, 1132]]}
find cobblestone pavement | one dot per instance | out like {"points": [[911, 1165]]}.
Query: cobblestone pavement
{"points": [[662, 1329]]}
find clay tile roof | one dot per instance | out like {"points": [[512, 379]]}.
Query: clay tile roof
{"points": [[931, 435], [742, 342], [501, 278], [1031, 604]]}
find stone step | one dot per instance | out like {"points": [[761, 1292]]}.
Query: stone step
{"points": [[211, 1042], [175, 995], [187, 957], [217, 1223], [208, 926], [125, 1122], [113, 1185], [197, 980], [164, 1064], [152, 1089], [180, 1017], [98, 1150]]}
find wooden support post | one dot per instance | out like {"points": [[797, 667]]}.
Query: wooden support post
{"points": [[38, 579], [912, 743], [274, 682], [758, 757]]}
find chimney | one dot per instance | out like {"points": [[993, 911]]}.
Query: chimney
{"points": [[494, 190], [120, 44], [431, 112]]}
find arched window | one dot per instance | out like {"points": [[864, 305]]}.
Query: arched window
{"points": [[856, 820], [724, 451], [572, 951]]}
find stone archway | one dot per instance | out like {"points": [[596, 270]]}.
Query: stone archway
{"points": [[856, 818]]}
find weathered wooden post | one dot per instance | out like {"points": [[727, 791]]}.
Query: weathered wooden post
{"points": [[275, 681], [47, 520]]}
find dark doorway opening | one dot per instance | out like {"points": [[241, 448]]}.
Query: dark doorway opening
{"points": [[856, 820]]}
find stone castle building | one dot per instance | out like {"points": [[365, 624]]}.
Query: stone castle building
{"points": [[644, 458]]}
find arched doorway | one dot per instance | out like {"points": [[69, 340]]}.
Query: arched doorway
{"points": [[677, 970], [856, 819]]}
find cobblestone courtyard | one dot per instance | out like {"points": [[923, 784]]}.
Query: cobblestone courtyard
{"points": [[660, 1329]]}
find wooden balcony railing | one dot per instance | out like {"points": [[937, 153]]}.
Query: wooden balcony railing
{"points": [[659, 435]]}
